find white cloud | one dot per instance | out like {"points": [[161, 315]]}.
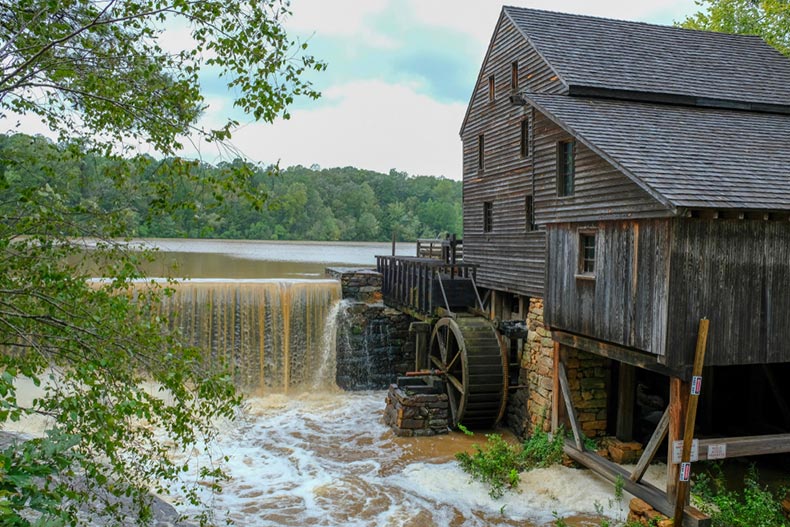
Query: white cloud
{"points": [[343, 18], [372, 124]]}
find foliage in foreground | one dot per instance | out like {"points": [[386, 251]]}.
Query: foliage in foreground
{"points": [[755, 506], [499, 463], [769, 19], [121, 394]]}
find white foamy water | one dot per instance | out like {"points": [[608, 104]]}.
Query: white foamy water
{"points": [[327, 459]]}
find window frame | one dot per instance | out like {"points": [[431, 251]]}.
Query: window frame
{"points": [[565, 173], [514, 76], [583, 237], [481, 158], [491, 88], [524, 140], [529, 213], [488, 216]]}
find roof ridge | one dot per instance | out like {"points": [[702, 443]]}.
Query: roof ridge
{"points": [[718, 34]]}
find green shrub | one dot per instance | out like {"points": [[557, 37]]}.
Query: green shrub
{"points": [[498, 464], [755, 506]]}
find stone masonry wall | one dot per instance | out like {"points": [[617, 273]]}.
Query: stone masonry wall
{"points": [[530, 407], [373, 342]]}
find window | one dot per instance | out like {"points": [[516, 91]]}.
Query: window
{"points": [[514, 76], [491, 87], [529, 213], [524, 143], [480, 152], [488, 216], [587, 253], [565, 168]]}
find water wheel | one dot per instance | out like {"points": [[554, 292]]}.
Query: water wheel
{"points": [[468, 352]]}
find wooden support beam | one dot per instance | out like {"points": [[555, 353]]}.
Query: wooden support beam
{"points": [[637, 358], [613, 473], [555, 390], [748, 445], [678, 400], [566, 395], [652, 446], [626, 394]]}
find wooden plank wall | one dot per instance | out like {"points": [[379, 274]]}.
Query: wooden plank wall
{"points": [[510, 258], [737, 273], [601, 191], [626, 303]]}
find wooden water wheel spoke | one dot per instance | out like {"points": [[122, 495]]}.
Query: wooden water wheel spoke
{"points": [[467, 350]]}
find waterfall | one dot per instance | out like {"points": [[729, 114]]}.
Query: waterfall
{"points": [[275, 335]]}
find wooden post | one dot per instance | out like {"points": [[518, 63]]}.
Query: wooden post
{"points": [[555, 390], [626, 393], [393, 243], [691, 416], [678, 400]]}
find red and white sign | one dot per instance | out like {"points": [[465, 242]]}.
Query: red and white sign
{"points": [[696, 385], [685, 471]]}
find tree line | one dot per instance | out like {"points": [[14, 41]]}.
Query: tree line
{"points": [[296, 203]]}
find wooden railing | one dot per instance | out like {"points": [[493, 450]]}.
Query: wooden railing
{"points": [[422, 285], [448, 250]]}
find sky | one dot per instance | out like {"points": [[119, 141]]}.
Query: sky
{"points": [[400, 74]]}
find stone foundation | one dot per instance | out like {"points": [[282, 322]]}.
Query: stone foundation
{"points": [[373, 343], [588, 376], [417, 407]]}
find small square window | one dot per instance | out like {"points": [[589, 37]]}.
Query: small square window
{"points": [[488, 216], [524, 141], [529, 213], [566, 169], [514, 76], [587, 253], [491, 88], [480, 152]]}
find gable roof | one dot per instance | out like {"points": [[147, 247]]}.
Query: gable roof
{"points": [[591, 53], [692, 157]]}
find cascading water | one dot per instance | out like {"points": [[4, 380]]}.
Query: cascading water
{"points": [[273, 334]]}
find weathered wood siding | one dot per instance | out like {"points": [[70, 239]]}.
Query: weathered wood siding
{"points": [[510, 258], [736, 273], [626, 302], [601, 191]]}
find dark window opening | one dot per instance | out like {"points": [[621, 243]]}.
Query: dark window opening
{"points": [[491, 88], [566, 170], [514, 76], [488, 216], [587, 253], [524, 144], [529, 213], [480, 152]]}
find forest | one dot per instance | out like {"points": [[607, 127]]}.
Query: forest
{"points": [[295, 203]]}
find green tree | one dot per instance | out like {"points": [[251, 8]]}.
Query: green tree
{"points": [[120, 391], [769, 19]]}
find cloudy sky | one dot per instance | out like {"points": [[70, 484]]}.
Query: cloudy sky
{"points": [[400, 73]]}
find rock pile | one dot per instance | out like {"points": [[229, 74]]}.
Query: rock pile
{"points": [[417, 408]]}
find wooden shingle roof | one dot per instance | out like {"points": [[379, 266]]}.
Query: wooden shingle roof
{"points": [[593, 56], [685, 156]]}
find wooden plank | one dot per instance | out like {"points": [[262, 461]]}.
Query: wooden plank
{"points": [[678, 399], [555, 390], [691, 417], [613, 472], [626, 394], [614, 352], [578, 435], [743, 446], [652, 447]]}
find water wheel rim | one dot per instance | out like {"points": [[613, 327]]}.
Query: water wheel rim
{"points": [[452, 360]]}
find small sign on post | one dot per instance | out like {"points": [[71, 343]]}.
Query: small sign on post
{"points": [[685, 471], [677, 451], [717, 451], [696, 385]]}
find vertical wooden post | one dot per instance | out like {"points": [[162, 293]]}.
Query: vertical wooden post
{"points": [[626, 392], [555, 389], [678, 402], [393, 243]]}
